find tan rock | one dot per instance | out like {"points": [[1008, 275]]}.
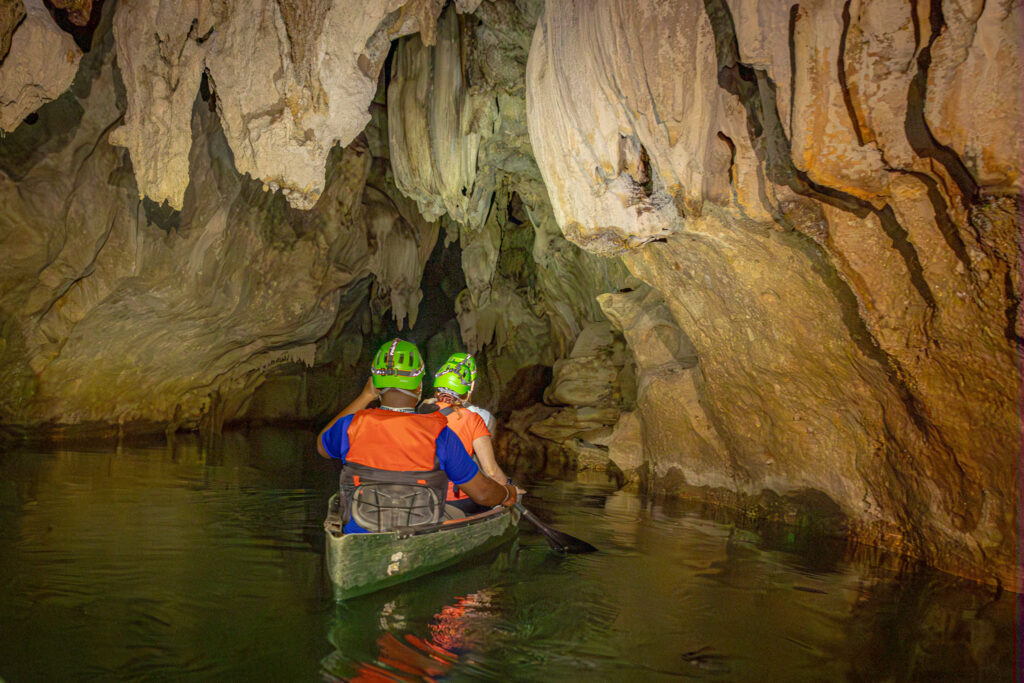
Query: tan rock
{"points": [[976, 68], [292, 79], [832, 255], [591, 458], [40, 65], [572, 422], [116, 311], [11, 14], [594, 339], [78, 10], [435, 127], [626, 447], [636, 115], [587, 381]]}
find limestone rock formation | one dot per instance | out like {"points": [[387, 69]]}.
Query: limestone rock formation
{"points": [[78, 10], [626, 446], [459, 147], [38, 60], [840, 234], [801, 220], [116, 310], [292, 78], [671, 418], [11, 14]]}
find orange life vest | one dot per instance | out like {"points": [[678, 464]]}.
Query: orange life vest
{"points": [[391, 447], [394, 441]]}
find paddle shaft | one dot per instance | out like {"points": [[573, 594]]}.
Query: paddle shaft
{"points": [[558, 540]]}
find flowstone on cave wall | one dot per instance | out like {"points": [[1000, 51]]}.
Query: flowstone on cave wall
{"points": [[115, 309], [38, 60], [837, 238], [460, 148], [293, 78]]}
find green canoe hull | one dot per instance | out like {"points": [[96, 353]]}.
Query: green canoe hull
{"points": [[363, 563]]}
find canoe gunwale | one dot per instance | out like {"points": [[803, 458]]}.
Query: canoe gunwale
{"points": [[363, 563]]}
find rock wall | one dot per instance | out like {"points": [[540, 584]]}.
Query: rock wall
{"points": [[835, 231], [115, 309], [460, 148], [37, 60], [756, 246], [293, 78]]}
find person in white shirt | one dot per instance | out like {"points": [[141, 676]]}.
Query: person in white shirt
{"points": [[453, 386]]}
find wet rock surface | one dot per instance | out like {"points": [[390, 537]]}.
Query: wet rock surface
{"points": [[722, 247], [837, 245], [117, 309]]}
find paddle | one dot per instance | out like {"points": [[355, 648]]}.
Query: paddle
{"points": [[556, 539]]}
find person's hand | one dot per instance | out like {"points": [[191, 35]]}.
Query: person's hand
{"points": [[520, 490], [370, 392], [513, 495]]}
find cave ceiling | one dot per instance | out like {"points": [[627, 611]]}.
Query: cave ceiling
{"points": [[757, 245]]}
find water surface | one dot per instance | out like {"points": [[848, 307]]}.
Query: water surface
{"points": [[185, 562]]}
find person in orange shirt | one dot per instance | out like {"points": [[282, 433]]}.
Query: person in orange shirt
{"points": [[393, 446], [453, 384]]}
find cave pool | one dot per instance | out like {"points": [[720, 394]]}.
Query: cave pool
{"points": [[204, 561]]}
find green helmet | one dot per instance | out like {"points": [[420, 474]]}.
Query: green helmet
{"points": [[458, 374], [398, 363]]}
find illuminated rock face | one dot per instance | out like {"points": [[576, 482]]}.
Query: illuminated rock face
{"points": [[802, 219], [836, 184], [116, 310], [37, 60], [459, 146], [292, 77]]}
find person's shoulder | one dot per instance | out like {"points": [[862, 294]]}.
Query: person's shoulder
{"points": [[482, 412], [435, 420], [474, 418]]}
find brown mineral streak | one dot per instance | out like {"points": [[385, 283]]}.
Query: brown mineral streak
{"points": [[725, 246]]}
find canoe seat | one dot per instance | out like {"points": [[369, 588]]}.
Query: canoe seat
{"points": [[383, 507]]}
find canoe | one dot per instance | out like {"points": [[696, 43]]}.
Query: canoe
{"points": [[363, 563]]}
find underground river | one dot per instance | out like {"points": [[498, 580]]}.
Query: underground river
{"points": [[186, 561]]}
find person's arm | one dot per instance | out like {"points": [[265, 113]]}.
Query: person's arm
{"points": [[483, 449], [465, 474], [367, 396], [485, 491]]}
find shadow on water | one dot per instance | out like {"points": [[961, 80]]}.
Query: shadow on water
{"points": [[203, 561]]}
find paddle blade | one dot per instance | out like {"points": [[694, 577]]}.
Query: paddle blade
{"points": [[558, 540]]}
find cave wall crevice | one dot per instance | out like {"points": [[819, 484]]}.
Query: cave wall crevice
{"points": [[119, 309], [749, 246], [823, 255]]}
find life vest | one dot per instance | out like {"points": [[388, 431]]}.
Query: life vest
{"points": [[391, 476]]}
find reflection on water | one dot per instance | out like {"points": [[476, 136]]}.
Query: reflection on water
{"points": [[191, 563]]}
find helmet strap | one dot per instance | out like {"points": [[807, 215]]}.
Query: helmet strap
{"points": [[448, 396]]}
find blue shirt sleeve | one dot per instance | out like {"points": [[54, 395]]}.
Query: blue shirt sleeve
{"points": [[453, 458], [335, 439]]}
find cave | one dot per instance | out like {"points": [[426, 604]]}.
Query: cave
{"points": [[760, 260]]}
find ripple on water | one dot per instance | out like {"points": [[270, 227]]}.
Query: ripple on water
{"points": [[175, 564]]}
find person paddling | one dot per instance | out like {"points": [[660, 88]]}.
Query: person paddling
{"points": [[397, 463], [453, 385]]}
